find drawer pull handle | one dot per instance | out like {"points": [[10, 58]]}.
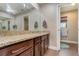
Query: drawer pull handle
{"points": [[19, 50]]}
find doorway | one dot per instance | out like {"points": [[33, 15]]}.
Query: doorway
{"points": [[69, 28], [64, 32], [26, 23], [64, 28], [8, 25]]}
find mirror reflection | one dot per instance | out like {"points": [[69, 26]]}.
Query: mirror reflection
{"points": [[20, 19]]}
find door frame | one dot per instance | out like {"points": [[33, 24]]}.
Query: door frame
{"points": [[28, 22], [58, 27], [78, 28]]}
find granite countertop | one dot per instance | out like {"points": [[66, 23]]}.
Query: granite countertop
{"points": [[8, 40]]}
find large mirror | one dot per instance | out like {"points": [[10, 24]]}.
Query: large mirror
{"points": [[4, 24], [20, 19]]}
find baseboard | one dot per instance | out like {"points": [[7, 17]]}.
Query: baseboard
{"points": [[54, 48], [69, 41], [57, 49]]}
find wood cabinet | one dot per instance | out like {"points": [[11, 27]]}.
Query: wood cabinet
{"points": [[28, 52], [16, 49], [32, 47], [37, 46], [46, 42], [37, 49], [42, 45]]}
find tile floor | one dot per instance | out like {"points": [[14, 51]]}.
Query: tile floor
{"points": [[71, 51]]}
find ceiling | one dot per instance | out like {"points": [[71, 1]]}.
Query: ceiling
{"points": [[65, 7], [18, 8], [15, 8]]}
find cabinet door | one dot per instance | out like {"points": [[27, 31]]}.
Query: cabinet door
{"points": [[46, 42], [42, 47], [46, 45], [3, 52], [28, 52], [37, 49]]}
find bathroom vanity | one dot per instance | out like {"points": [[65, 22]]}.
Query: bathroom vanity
{"points": [[32, 44]]}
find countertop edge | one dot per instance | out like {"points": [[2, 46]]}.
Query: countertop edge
{"points": [[7, 43]]}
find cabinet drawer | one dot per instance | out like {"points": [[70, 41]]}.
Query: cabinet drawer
{"points": [[42, 38], [19, 47], [16, 49], [28, 52], [37, 40]]}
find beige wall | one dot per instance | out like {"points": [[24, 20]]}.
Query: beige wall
{"points": [[72, 18], [50, 13]]}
